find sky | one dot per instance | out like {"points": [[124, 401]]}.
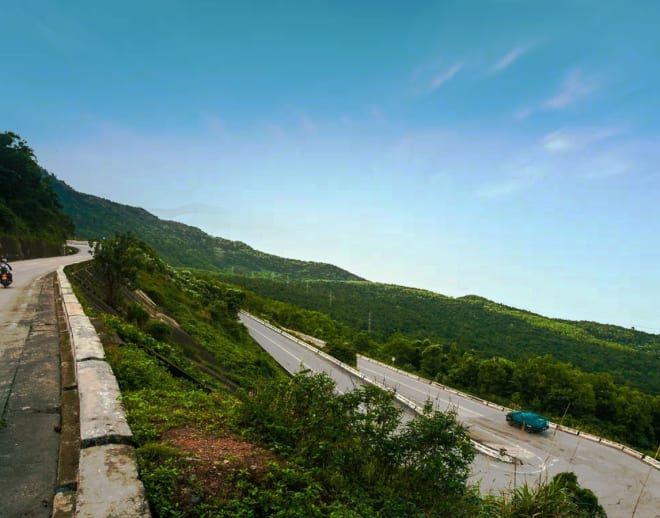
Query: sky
{"points": [[504, 148]]}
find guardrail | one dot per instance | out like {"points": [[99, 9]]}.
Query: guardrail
{"points": [[486, 450], [594, 438], [108, 483]]}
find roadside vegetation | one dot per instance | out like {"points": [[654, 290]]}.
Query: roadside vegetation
{"points": [[596, 377], [29, 208], [221, 431], [504, 355]]}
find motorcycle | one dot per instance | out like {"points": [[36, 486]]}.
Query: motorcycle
{"points": [[4, 278]]}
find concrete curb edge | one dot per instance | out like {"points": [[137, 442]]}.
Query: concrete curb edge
{"points": [[108, 483]]}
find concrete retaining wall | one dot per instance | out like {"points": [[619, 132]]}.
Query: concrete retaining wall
{"points": [[15, 249], [108, 483]]}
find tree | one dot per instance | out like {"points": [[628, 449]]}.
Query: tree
{"points": [[433, 360], [356, 442], [28, 204], [118, 260], [436, 454], [404, 352], [495, 377]]}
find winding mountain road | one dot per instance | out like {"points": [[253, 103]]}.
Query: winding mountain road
{"points": [[30, 400], [625, 485]]}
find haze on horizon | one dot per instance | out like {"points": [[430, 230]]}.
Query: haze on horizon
{"points": [[507, 149]]}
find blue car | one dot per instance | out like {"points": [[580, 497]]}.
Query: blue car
{"points": [[530, 421]]}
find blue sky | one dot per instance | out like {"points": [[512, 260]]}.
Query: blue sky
{"points": [[507, 148]]}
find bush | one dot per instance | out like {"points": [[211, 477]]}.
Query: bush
{"points": [[158, 330]]}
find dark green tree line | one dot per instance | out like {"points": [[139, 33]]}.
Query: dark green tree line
{"points": [[29, 208]]}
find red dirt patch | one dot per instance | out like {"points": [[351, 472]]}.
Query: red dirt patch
{"points": [[213, 461]]}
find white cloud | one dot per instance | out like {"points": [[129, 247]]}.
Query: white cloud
{"points": [[558, 142], [561, 141], [605, 167], [575, 87], [441, 78], [521, 179], [507, 60]]}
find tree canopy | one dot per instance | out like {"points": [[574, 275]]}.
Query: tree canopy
{"points": [[29, 208]]}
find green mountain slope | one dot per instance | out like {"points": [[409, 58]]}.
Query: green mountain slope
{"points": [[184, 245], [471, 322], [30, 214]]}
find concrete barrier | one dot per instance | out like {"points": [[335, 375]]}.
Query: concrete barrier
{"points": [[594, 438], [108, 483], [487, 450]]}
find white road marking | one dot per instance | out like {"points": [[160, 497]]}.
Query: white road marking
{"points": [[291, 354], [428, 394], [278, 345]]}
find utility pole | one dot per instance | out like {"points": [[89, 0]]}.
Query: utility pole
{"points": [[369, 326]]}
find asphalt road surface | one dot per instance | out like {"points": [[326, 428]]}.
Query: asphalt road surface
{"points": [[617, 478], [294, 357], [30, 387], [622, 483]]}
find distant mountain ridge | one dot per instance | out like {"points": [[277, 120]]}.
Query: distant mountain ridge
{"points": [[184, 245], [471, 321]]}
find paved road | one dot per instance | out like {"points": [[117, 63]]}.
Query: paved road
{"points": [[615, 477], [293, 356], [30, 387]]}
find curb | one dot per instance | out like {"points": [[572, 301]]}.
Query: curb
{"points": [[106, 482], [482, 448], [593, 438]]}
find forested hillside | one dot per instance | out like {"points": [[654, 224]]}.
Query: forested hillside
{"points": [[184, 245], [29, 209], [603, 401], [221, 431], [474, 323]]}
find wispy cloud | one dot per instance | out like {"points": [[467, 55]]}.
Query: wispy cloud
{"points": [[605, 168], [557, 142], [507, 60], [521, 179], [561, 141], [430, 76], [446, 75], [574, 87]]}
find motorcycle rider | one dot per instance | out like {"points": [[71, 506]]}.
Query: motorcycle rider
{"points": [[6, 267]]}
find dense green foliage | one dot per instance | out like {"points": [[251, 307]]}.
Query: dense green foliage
{"points": [[336, 455], [196, 317], [118, 260], [591, 401], [561, 497], [360, 451], [345, 455], [184, 245], [29, 207], [472, 323]]}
